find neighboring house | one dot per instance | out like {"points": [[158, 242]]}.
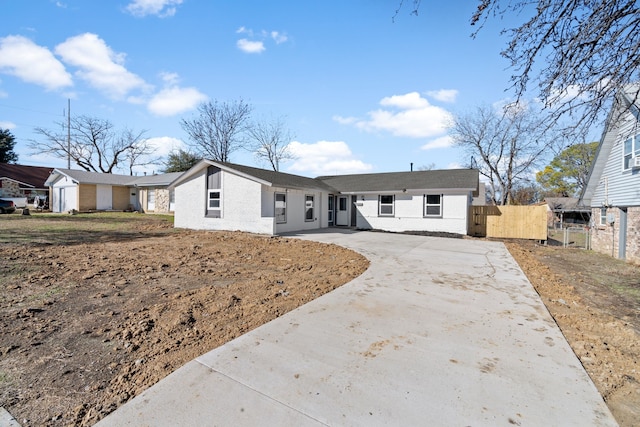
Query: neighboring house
{"points": [[92, 191], [565, 212], [224, 196], [613, 187], [23, 182]]}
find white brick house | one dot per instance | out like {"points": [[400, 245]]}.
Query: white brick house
{"points": [[224, 196]]}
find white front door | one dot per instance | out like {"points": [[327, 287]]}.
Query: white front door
{"points": [[151, 199], [342, 213]]}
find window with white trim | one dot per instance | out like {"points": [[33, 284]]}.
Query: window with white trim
{"points": [[281, 208], [386, 205], [630, 149], [308, 207], [214, 192], [603, 216], [433, 205]]}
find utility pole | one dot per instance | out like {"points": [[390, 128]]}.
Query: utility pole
{"points": [[68, 133]]}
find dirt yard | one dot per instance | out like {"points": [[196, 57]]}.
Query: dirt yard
{"points": [[96, 308]]}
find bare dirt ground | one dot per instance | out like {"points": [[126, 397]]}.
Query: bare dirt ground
{"points": [[96, 308]]}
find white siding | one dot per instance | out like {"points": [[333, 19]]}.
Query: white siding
{"points": [[64, 195], [617, 187], [296, 210], [408, 214]]}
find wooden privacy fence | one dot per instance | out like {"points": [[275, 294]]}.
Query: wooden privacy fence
{"points": [[509, 222]]}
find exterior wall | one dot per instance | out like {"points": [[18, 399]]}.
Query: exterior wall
{"points": [[606, 238], [161, 201], [120, 198], [10, 188], [616, 186], [408, 214], [64, 195], [296, 209], [241, 205], [87, 197]]}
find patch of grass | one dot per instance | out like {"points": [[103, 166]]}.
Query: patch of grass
{"points": [[48, 228]]}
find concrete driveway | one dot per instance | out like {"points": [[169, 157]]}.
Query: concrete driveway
{"points": [[443, 332]]}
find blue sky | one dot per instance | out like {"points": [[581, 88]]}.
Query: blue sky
{"points": [[359, 91]]}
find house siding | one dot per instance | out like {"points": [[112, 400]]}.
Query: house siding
{"points": [[296, 209], [86, 200], [120, 198], [618, 187], [408, 214]]}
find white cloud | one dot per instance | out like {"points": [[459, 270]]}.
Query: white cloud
{"points": [[279, 37], [7, 125], [444, 95], [408, 115], [175, 100], [31, 63], [249, 46], [99, 65], [442, 142], [160, 8], [165, 145], [325, 158], [345, 120]]}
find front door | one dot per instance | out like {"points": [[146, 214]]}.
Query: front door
{"points": [[330, 210], [342, 213]]}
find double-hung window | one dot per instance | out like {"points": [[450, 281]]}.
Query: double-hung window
{"points": [[433, 205], [631, 149], [603, 216], [386, 205], [308, 207], [281, 208]]}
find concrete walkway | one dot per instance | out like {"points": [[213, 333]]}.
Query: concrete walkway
{"points": [[442, 332]]}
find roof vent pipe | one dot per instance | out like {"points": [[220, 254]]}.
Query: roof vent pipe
{"points": [[411, 166]]}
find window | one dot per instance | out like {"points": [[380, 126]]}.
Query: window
{"points": [[214, 199], [386, 205], [433, 205], [603, 216], [308, 207], [281, 208], [214, 192], [631, 149]]}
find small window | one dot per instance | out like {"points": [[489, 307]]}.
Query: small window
{"points": [[433, 205], [603, 216], [214, 199], [308, 207], [630, 149], [281, 208], [386, 205]]}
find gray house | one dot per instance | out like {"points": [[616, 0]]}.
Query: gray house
{"points": [[225, 196], [613, 188]]}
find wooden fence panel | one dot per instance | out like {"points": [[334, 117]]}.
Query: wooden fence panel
{"points": [[509, 222]]}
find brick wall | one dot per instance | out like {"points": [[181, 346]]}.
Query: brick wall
{"points": [[605, 238]]}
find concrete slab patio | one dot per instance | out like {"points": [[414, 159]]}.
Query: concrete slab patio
{"points": [[445, 332]]}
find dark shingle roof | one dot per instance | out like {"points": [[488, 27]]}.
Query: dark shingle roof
{"points": [[399, 181], [280, 179], [34, 176]]}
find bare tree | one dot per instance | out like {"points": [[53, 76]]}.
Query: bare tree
{"points": [[575, 55], [219, 130], [271, 141], [140, 151], [506, 144], [94, 144]]}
